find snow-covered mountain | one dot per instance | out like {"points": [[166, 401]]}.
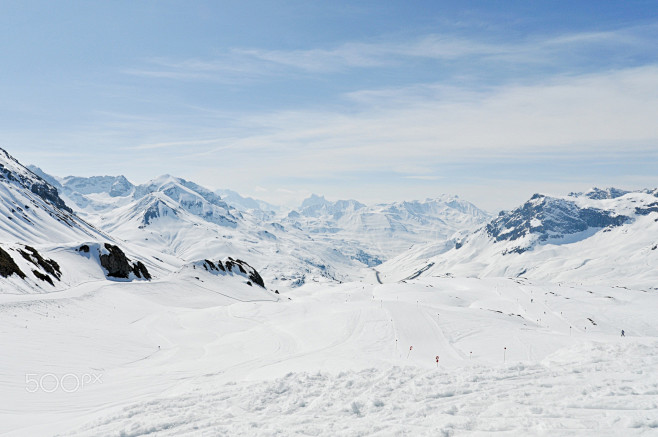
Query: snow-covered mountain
{"points": [[45, 246], [187, 223], [242, 203], [601, 235], [378, 232], [322, 240]]}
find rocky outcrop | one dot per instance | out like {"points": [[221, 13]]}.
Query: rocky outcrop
{"points": [[139, 269], [118, 265], [8, 266], [235, 266], [115, 262], [647, 209], [50, 266]]}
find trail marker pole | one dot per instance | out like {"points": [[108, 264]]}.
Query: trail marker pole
{"points": [[470, 355], [504, 354], [437, 361], [410, 349], [569, 331]]}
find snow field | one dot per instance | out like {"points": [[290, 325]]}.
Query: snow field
{"points": [[194, 356], [606, 393]]}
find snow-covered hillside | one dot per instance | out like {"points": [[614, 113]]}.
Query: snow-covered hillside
{"points": [[190, 356], [602, 236], [45, 247]]}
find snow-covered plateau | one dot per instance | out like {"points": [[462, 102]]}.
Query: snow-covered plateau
{"points": [[164, 309]]}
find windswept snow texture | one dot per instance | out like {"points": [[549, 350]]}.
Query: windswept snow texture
{"points": [[190, 356]]}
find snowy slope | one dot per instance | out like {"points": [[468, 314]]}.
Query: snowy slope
{"points": [[588, 237], [185, 356]]}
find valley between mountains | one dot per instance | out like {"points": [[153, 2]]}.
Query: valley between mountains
{"points": [[170, 309]]}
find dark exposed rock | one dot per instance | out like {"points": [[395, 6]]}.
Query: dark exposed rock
{"points": [[8, 266], [50, 194], [115, 262], [118, 265], [516, 249], [50, 266], [549, 217], [209, 265], [139, 269], [84, 248], [31, 181], [155, 210], [236, 266], [648, 209], [43, 277]]}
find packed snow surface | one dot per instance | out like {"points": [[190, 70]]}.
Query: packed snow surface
{"points": [[190, 355]]}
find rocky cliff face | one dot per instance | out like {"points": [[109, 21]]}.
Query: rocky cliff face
{"points": [[549, 217]]}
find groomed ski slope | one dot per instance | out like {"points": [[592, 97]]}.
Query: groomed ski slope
{"points": [[183, 356]]}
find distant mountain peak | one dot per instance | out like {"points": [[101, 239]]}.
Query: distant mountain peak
{"points": [[314, 200], [600, 194]]}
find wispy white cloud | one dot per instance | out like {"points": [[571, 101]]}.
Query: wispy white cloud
{"points": [[611, 113], [249, 63], [167, 144]]}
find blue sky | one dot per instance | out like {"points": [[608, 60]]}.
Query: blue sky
{"points": [[372, 100]]}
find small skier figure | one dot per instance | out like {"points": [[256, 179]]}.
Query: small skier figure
{"points": [[622, 333]]}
